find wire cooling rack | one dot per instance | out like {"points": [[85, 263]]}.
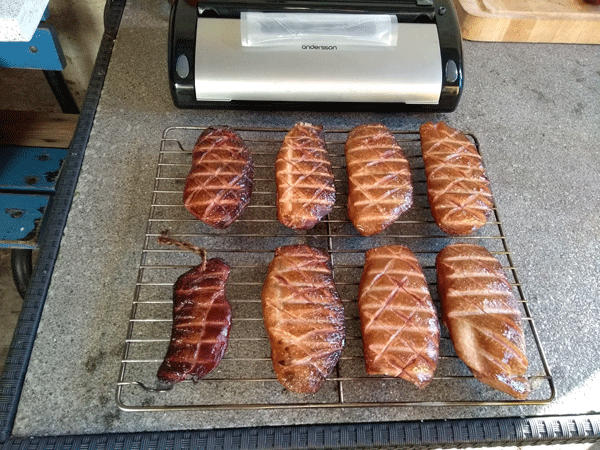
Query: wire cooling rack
{"points": [[245, 378]]}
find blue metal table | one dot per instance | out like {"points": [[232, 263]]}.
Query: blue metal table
{"points": [[42, 52], [28, 175], [28, 178]]}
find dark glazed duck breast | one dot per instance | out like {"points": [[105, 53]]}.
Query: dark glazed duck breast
{"points": [[219, 185], [201, 321]]}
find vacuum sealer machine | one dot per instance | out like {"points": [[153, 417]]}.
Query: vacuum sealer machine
{"points": [[318, 54]]}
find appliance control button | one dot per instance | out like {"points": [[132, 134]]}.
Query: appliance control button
{"points": [[182, 67], [451, 71]]}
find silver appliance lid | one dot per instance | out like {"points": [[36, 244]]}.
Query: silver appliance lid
{"points": [[410, 72]]}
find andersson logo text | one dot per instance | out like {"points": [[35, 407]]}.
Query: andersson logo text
{"points": [[319, 47]]}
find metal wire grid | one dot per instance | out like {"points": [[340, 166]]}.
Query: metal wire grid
{"points": [[245, 379]]}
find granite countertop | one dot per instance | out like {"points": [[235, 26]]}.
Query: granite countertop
{"points": [[535, 110]]}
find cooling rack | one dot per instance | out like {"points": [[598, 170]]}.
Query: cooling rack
{"points": [[245, 379]]}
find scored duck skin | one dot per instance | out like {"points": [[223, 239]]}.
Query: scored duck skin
{"points": [[219, 185], [305, 182], [399, 323], [201, 322], [303, 316], [457, 186], [379, 181], [483, 317]]}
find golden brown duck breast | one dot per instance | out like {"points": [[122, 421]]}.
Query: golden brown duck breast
{"points": [[303, 316], [457, 186], [305, 182], [379, 181], [483, 317], [219, 185], [399, 323]]}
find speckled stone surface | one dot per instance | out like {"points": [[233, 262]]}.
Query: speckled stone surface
{"points": [[535, 111]]}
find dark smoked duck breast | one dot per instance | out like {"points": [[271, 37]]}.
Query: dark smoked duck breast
{"points": [[457, 186], [219, 185], [379, 182], [400, 328], [483, 317], [201, 322], [303, 316], [305, 188]]}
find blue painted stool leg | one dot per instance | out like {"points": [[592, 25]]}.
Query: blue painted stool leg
{"points": [[22, 267], [61, 91]]}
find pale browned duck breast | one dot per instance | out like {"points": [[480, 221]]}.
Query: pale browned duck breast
{"points": [[303, 316], [399, 323], [483, 317], [201, 323], [219, 185], [457, 186], [305, 188], [379, 182]]}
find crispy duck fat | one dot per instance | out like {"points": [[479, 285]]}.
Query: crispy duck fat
{"points": [[483, 317], [303, 316], [219, 185], [379, 182], [201, 319], [400, 328], [457, 186], [305, 189]]}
